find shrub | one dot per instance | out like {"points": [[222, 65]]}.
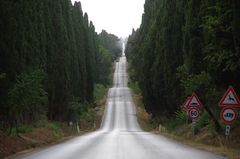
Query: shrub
{"points": [[181, 116], [99, 91], [203, 121], [53, 125]]}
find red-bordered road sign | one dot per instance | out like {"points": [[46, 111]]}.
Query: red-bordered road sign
{"points": [[194, 113], [228, 115], [194, 101], [185, 104], [230, 98]]}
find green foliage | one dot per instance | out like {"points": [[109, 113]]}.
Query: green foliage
{"points": [[58, 38], [192, 82], [99, 91], [203, 121], [171, 125], [105, 66], [2, 75], [83, 113], [28, 95], [185, 46], [40, 123], [111, 43], [134, 86], [22, 129], [181, 115], [75, 109], [53, 125], [89, 116], [211, 128]]}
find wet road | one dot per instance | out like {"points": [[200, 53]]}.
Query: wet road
{"points": [[120, 136]]}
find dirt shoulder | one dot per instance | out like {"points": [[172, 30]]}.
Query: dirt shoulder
{"points": [[12, 145], [203, 140], [38, 137], [229, 152]]}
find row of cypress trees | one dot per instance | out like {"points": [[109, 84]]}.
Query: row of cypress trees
{"points": [[49, 56], [184, 46]]}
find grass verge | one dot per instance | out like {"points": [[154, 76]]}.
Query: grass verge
{"points": [[205, 139]]}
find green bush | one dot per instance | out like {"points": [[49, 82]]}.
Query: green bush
{"points": [[203, 121], [53, 125], [28, 95], [41, 123], [89, 116], [99, 91], [22, 129], [180, 116], [25, 129]]}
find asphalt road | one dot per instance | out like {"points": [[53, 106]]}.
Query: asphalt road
{"points": [[120, 136]]}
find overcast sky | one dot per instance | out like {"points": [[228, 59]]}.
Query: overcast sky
{"points": [[115, 16]]}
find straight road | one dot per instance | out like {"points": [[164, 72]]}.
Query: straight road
{"points": [[120, 136]]}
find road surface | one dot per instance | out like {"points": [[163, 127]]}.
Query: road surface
{"points": [[120, 136]]}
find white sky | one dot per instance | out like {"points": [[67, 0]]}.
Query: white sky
{"points": [[115, 16]]}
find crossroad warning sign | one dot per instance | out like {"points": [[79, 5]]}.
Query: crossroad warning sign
{"points": [[229, 98], [194, 101]]}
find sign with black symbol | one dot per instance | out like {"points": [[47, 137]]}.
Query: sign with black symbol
{"points": [[194, 101], [228, 115], [229, 98], [193, 113]]}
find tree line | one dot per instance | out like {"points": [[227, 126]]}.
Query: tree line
{"points": [[50, 57], [184, 46]]}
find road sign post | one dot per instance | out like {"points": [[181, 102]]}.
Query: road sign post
{"points": [[194, 115], [192, 105], [193, 126], [228, 113]]}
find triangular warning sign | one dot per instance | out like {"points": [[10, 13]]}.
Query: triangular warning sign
{"points": [[194, 101], [229, 98], [185, 104]]}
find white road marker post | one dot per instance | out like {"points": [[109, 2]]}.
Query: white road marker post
{"points": [[78, 130], [227, 132]]}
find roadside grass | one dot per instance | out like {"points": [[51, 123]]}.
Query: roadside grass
{"points": [[45, 132], [230, 153], [22, 129], [180, 129], [205, 138], [53, 125], [142, 116], [100, 97]]}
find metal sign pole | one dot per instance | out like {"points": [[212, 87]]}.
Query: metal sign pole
{"points": [[193, 126]]}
